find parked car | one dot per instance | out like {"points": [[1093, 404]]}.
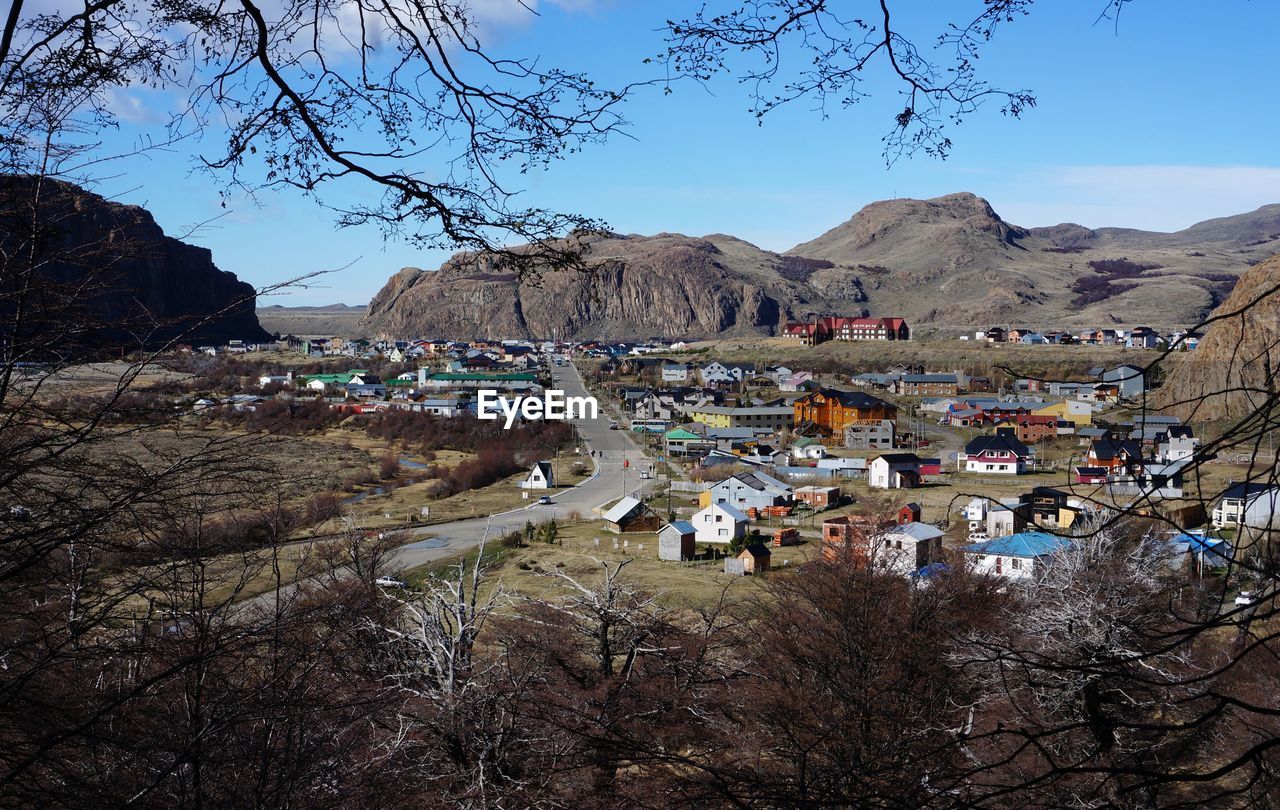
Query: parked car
{"points": [[545, 499], [1245, 598], [390, 582], [646, 474]]}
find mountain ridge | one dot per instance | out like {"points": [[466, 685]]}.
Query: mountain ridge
{"points": [[945, 263]]}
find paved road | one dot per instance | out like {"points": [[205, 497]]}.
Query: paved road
{"points": [[609, 483]]}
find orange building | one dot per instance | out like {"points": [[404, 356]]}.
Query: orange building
{"points": [[836, 410]]}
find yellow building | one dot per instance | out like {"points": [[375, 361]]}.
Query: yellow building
{"points": [[773, 418], [1081, 413]]}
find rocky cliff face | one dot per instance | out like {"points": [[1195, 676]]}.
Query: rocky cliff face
{"points": [[666, 285], [950, 263], [107, 272], [1234, 369]]}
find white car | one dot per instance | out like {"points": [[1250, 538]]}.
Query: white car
{"points": [[646, 474], [545, 499], [1245, 599], [390, 582]]}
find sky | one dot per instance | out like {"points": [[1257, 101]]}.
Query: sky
{"points": [[1158, 122]]}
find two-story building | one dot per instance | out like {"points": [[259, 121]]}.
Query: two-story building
{"points": [[1001, 454], [833, 411]]}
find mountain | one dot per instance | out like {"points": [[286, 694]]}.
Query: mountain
{"points": [[1232, 372], [331, 319], [108, 274], [946, 264], [668, 284]]}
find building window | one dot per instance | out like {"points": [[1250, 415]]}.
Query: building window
{"points": [[1015, 564]]}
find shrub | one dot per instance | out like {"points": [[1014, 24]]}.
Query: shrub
{"points": [[389, 466]]}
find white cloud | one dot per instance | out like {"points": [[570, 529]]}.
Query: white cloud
{"points": [[1157, 198]]}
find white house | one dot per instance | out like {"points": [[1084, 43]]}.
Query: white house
{"points": [[283, 379], [719, 523], [808, 449], [909, 547], [1177, 448], [540, 477], [676, 372], [1020, 556], [750, 490], [894, 471], [1254, 501], [1001, 454]]}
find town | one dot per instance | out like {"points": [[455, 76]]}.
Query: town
{"points": [[736, 463]]}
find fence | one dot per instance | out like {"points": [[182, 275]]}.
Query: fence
{"points": [[689, 486]]}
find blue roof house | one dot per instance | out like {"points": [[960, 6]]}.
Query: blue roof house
{"points": [[1020, 556]]}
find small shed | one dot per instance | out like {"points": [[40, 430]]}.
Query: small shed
{"points": [[540, 477], [630, 515], [676, 541], [818, 497], [755, 558], [909, 514]]}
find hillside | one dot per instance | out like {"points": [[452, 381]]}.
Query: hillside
{"points": [[668, 285], [333, 319], [107, 276], [947, 264], [1233, 371], [952, 261]]}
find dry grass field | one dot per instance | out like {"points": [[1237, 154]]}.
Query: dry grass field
{"points": [[855, 357], [531, 571]]}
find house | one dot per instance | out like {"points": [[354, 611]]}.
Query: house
{"points": [[808, 448], [676, 541], [753, 490], [1006, 516], [870, 435], [1130, 380], [1116, 456], [631, 515], [1021, 556], [1001, 454], [1031, 428], [540, 477], [844, 538], [927, 385], [818, 497], [717, 373], [753, 559], [681, 442], [833, 411], [719, 523], [281, 379], [1050, 508], [1200, 551], [1177, 445], [1081, 413], [835, 327], [1091, 475], [908, 547], [796, 381], [675, 372], [894, 471], [910, 513], [1247, 499], [770, 418]]}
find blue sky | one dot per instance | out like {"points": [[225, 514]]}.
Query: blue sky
{"points": [[1163, 123]]}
